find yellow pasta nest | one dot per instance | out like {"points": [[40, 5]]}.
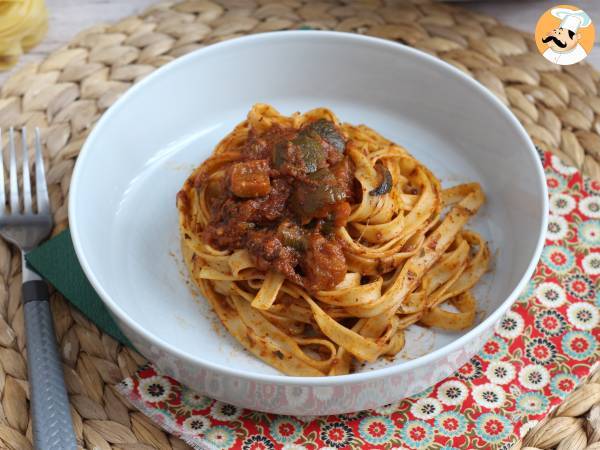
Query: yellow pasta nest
{"points": [[407, 253], [23, 24]]}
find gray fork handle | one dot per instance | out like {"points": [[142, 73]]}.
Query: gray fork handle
{"points": [[51, 414]]}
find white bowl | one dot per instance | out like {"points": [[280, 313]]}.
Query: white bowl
{"points": [[124, 221]]}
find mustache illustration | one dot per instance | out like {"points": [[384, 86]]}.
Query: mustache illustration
{"points": [[556, 41]]}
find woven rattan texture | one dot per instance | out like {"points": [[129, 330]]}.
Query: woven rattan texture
{"points": [[67, 92]]}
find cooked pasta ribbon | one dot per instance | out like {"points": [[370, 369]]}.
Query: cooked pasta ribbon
{"points": [[409, 258]]}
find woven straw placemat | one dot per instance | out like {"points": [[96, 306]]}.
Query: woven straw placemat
{"points": [[67, 92]]}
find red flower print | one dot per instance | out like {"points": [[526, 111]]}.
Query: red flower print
{"points": [[566, 385], [550, 322], [467, 369], [418, 433], [377, 429], [579, 286], [552, 183], [451, 424], [580, 345], [286, 429], [470, 370], [541, 351], [258, 443], [494, 427], [491, 347], [336, 435], [558, 258]]}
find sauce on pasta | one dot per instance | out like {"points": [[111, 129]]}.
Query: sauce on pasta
{"points": [[282, 201]]}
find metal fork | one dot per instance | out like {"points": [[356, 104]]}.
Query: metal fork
{"points": [[25, 227]]}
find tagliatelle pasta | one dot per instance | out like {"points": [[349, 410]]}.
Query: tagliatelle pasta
{"points": [[23, 24], [318, 243]]}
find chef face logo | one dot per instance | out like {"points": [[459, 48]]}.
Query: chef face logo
{"points": [[561, 40], [565, 35]]}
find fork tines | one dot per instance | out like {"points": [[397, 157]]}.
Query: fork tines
{"points": [[24, 198]]}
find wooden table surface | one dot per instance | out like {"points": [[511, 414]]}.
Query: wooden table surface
{"points": [[68, 17]]}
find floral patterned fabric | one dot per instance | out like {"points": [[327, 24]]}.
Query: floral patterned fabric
{"points": [[541, 351]]}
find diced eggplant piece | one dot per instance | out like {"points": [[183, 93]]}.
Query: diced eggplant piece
{"points": [[250, 179]]}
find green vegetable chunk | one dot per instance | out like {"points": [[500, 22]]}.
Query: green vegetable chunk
{"points": [[328, 132], [321, 190], [291, 235], [307, 147], [328, 225], [280, 154], [310, 149]]}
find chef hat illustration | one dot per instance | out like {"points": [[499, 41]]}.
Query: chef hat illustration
{"points": [[572, 20]]}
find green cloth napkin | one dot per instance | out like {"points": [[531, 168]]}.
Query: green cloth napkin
{"points": [[56, 261]]}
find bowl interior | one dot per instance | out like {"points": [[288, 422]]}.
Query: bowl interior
{"points": [[123, 215]]}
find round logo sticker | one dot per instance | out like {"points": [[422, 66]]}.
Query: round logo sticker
{"points": [[565, 35]]}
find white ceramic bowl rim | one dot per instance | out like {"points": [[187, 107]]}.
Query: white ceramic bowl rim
{"points": [[311, 381]]}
